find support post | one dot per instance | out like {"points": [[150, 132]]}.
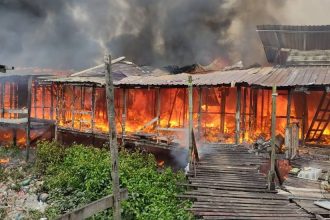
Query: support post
{"points": [[271, 175], [3, 85], [28, 141], [72, 105], [35, 98], [57, 111], [190, 124], [244, 113], [288, 110], [223, 110], [304, 117], [93, 108], [158, 100], [199, 118], [43, 100], [113, 139], [52, 101], [238, 115], [124, 115]]}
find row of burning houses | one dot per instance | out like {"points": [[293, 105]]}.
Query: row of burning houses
{"points": [[232, 105]]}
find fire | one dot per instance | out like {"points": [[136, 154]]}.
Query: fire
{"points": [[4, 161], [161, 163]]}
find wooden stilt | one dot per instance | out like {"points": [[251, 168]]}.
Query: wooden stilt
{"points": [[304, 118], [124, 115], [57, 111], [43, 101], [52, 101], [28, 141], [3, 98], [35, 98], [72, 105], [223, 110], [113, 140], [190, 124], [244, 113], [288, 109], [238, 115], [199, 118], [271, 177], [93, 101]]}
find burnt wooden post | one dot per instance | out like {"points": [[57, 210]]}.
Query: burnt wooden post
{"points": [[124, 116], [28, 105], [271, 176], [57, 111], [158, 99], [51, 101], [244, 113], [238, 115], [3, 85], [200, 101], [223, 110], [304, 117], [190, 125], [72, 106], [93, 108], [112, 139], [35, 98], [288, 110], [43, 100]]}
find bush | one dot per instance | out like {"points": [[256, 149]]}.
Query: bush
{"points": [[48, 154], [83, 175]]}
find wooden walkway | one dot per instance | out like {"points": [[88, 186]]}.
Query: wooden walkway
{"points": [[228, 185]]}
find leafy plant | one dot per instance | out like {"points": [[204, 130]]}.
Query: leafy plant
{"points": [[83, 174]]}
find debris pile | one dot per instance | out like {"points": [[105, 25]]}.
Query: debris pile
{"points": [[261, 145]]}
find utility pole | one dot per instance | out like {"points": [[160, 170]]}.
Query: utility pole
{"points": [[112, 139], [271, 175]]}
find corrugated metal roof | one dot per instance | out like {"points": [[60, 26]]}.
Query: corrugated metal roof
{"points": [[275, 37], [266, 77]]}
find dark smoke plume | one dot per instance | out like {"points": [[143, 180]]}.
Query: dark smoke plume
{"points": [[77, 33]]}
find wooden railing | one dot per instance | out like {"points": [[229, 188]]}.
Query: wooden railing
{"points": [[93, 208]]}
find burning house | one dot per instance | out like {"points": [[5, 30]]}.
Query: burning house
{"points": [[229, 106]]}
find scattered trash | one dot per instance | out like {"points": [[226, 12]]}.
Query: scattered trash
{"points": [[310, 173], [294, 171]]}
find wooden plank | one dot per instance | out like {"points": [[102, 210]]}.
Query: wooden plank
{"points": [[93, 208], [13, 120]]}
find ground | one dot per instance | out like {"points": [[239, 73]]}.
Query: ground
{"points": [[19, 187]]}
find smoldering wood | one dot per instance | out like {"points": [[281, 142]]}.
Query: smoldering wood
{"points": [[148, 124], [113, 139]]}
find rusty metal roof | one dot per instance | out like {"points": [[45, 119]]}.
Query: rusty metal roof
{"points": [[265, 77], [275, 37]]}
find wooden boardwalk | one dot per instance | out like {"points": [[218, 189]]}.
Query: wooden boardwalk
{"points": [[228, 185]]}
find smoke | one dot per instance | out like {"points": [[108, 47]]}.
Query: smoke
{"points": [[77, 33]]}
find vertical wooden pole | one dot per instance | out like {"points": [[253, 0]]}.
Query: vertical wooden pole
{"points": [[28, 141], [57, 110], [244, 113], [82, 99], [288, 109], [200, 101], [271, 177], [35, 98], [238, 115], [124, 115], [43, 101], [73, 105], [262, 109], [184, 107], [190, 124], [10, 97], [304, 117], [223, 110], [113, 140], [93, 108], [52, 101], [3, 87]]}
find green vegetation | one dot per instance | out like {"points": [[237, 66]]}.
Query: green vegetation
{"points": [[77, 175]]}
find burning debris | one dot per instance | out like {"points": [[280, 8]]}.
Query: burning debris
{"points": [[261, 145]]}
